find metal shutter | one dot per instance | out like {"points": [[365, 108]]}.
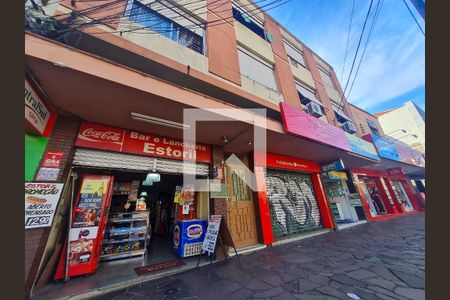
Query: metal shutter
{"points": [[292, 202], [256, 70], [325, 77], [294, 53], [132, 162]]}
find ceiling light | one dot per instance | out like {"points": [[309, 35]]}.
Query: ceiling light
{"points": [[225, 139], [158, 121]]}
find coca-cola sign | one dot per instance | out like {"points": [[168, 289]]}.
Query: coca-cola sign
{"points": [[114, 139]]}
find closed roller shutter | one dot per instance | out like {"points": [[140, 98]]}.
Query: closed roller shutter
{"points": [[122, 161], [292, 202], [257, 70]]}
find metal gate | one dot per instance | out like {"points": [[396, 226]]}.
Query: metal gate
{"points": [[292, 202]]}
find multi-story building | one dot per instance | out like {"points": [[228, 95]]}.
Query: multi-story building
{"points": [[116, 78], [405, 123]]}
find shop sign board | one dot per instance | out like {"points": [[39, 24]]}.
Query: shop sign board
{"points": [[410, 156], [298, 122], [395, 171], [37, 114], [337, 175], [47, 174], [121, 140], [385, 147], [335, 165], [52, 159], [212, 231], [41, 201], [292, 163], [362, 147]]}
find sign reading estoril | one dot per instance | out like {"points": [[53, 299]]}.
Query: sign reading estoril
{"points": [[335, 165], [41, 200]]}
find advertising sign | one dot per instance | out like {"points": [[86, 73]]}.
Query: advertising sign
{"points": [[385, 147], [335, 165], [41, 200], [52, 159], [36, 112], [298, 122], [337, 175], [114, 139], [395, 171], [362, 147], [212, 231], [47, 174], [292, 163]]}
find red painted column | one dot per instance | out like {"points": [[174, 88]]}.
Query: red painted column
{"points": [[322, 201], [389, 207], [264, 211], [362, 196], [400, 208]]}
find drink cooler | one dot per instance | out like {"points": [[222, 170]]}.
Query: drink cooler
{"points": [[189, 244]]}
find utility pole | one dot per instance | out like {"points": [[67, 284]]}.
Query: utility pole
{"points": [[420, 7]]}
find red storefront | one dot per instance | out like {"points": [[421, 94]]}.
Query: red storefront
{"points": [[292, 187], [385, 194]]}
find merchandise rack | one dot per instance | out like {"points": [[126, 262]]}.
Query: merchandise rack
{"points": [[129, 232]]}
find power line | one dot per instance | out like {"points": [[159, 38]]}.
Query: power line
{"points": [[356, 53], [414, 17], [348, 39]]}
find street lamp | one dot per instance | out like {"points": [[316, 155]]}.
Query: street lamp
{"points": [[402, 130]]}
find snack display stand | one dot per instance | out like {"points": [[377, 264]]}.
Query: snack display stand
{"points": [[126, 235]]}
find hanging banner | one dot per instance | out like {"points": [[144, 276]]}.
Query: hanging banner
{"points": [[41, 201], [121, 140]]}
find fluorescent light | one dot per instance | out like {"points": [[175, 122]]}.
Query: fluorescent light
{"points": [[158, 121]]}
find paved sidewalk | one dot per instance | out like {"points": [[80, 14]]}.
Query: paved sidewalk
{"points": [[381, 260]]}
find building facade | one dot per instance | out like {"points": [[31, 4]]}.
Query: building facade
{"points": [[119, 76], [406, 123]]}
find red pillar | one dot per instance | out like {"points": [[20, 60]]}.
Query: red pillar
{"points": [[322, 202], [389, 207], [264, 211], [411, 195]]}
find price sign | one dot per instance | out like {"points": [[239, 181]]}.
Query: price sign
{"points": [[41, 200], [209, 243]]}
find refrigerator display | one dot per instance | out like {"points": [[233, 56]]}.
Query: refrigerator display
{"points": [[188, 237]]}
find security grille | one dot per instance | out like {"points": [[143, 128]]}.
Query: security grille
{"points": [[292, 202], [122, 161]]}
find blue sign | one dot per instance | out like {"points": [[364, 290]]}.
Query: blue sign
{"points": [[335, 165], [386, 148], [362, 147]]}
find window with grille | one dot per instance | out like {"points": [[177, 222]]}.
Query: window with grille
{"points": [[295, 55], [256, 69], [326, 77], [162, 25]]}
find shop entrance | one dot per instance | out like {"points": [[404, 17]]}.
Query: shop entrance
{"points": [[401, 195], [292, 203], [373, 196]]}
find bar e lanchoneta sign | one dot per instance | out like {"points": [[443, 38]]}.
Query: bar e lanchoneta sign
{"points": [[41, 200]]}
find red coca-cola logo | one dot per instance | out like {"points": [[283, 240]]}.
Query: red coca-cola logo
{"points": [[102, 135]]}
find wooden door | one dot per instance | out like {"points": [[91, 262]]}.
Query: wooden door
{"points": [[241, 217]]}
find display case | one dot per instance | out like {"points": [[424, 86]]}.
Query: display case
{"points": [[126, 234]]}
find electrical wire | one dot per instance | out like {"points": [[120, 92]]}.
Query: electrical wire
{"points": [[410, 11], [348, 39]]}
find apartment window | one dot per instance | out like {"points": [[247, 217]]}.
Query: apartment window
{"points": [[373, 127], [156, 22], [340, 115], [248, 22], [295, 55], [325, 77], [308, 95], [257, 70]]}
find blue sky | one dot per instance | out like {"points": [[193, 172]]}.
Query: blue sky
{"points": [[393, 68]]}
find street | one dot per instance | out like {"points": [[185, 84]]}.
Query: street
{"points": [[379, 260]]}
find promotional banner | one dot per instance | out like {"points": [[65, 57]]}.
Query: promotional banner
{"points": [[47, 174], [41, 201], [395, 171], [386, 148], [52, 159], [121, 140], [212, 232]]}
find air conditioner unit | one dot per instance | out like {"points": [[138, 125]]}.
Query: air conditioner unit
{"points": [[314, 109], [349, 127]]}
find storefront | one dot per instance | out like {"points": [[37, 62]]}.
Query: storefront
{"points": [[294, 197], [131, 206]]}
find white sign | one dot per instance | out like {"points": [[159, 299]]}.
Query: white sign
{"points": [[35, 110], [47, 174], [83, 233], [41, 200], [209, 243]]}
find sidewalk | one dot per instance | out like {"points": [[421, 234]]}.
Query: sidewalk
{"points": [[382, 260]]}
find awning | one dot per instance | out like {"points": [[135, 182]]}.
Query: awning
{"points": [[340, 114]]}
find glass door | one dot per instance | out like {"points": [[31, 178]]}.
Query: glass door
{"points": [[401, 195], [373, 196]]}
